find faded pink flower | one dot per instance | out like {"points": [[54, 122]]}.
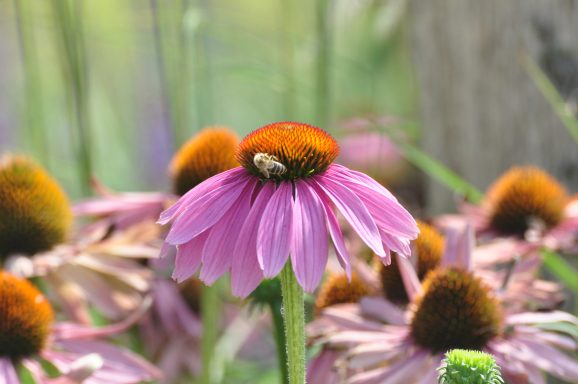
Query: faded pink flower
{"points": [[282, 202], [529, 205], [454, 308], [28, 335]]}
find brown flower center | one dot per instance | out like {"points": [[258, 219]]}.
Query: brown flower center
{"points": [[337, 289], [522, 195], [457, 310], [210, 152], [25, 318], [35, 213], [428, 247], [287, 151]]}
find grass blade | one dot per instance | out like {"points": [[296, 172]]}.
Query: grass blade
{"points": [[553, 96]]}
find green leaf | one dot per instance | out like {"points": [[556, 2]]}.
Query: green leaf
{"points": [[553, 96], [555, 263]]}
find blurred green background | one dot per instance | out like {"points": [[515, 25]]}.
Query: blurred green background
{"points": [[110, 88]]}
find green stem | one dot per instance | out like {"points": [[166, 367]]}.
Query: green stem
{"points": [[210, 306], [279, 334], [294, 316]]}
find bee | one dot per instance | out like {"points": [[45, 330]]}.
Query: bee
{"points": [[268, 164]]}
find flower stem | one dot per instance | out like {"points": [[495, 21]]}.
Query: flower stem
{"points": [[294, 317], [279, 334], [210, 307]]}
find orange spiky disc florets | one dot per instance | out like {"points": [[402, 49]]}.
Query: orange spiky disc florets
{"points": [[25, 318], [304, 150], [337, 289], [524, 194], [210, 152], [428, 248], [456, 310], [35, 213]]}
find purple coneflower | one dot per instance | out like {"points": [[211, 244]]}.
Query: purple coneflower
{"points": [[530, 205], [35, 240], [281, 202], [452, 308], [28, 336]]}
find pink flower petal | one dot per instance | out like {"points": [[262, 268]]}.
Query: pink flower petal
{"points": [[409, 277], [309, 248], [321, 368], [389, 215], [541, 317], [460, 243], [276, 230], [401, 372], [245, 271], [70, 331], [225, 178], [205, 212], [337, 237], [120, 365], [548, 359], [8, 373], [189, 256], [219, 248], [383, 310], [353, 210]]}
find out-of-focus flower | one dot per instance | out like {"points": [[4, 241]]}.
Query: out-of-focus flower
{"points": [[469, 367], [34, 211], [453, 308], [120, 210], [172, 329], [210, 152], [91, 267], [373, 153], [427, 251], [28, 335], [529, 204], [279, 202]]}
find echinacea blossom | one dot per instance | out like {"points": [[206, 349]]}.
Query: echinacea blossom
{"points": [[377, 342], [91, 266], [251, 218], [208, 153], [29, 335], [528, 204]]}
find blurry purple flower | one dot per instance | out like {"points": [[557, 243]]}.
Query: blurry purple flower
{"points": [[281, 202]]}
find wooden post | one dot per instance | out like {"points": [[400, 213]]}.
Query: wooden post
{"points": [[481, 111]]}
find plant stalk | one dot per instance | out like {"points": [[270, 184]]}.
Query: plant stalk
{"points": [[294, 320]]}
